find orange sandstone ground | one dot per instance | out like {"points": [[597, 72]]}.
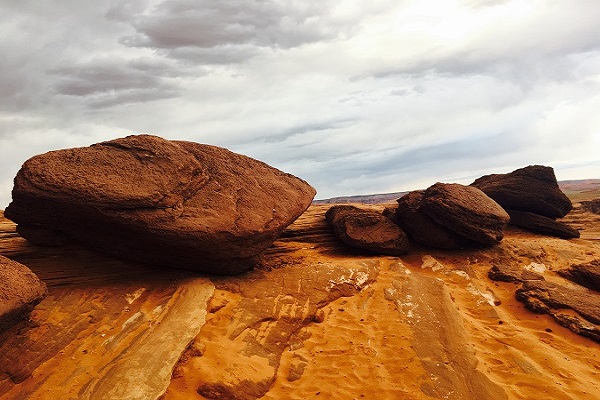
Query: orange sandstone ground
{"points": [[314, 321]]}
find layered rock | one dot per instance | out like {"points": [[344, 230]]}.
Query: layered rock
{"points": [[20, 291], [541, 296], [368, 230], [587, 274], [533, 189], [451, 216], [540, 224], [170, 203]]}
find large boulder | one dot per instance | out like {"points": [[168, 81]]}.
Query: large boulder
{"points": [[540, 224], [171, 203], [367, 230], [20, 291], [533, 189], [451, 216]]}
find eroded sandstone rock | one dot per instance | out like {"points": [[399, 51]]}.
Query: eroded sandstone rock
{"points": [[533, 188], [171, 203], [551, 298], [20, 291], [367, 230], [451, 216], [587, 274]]}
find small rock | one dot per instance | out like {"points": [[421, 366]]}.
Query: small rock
{"points": [[20, 291], [367, 230]]}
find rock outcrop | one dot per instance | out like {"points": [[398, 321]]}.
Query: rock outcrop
{"points": [[20, 291], [541, 296], [587, 274], [367, 230], [170, 203], [533, 189], [451, 216], [540, 224]]}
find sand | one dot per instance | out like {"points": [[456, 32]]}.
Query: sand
{"points": [[314, 320]]}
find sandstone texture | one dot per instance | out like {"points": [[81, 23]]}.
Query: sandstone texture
{"points": [[587, 274], [540, 224], [542, 296], [366, 229], [20, 291], [170, 203], [533, 188], [451, 216]]}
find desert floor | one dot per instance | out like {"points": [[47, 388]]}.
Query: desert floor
{"points": [[314, 320]]}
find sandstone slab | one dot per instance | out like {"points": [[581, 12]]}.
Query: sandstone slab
{"points": [[587, 274], [540, 224], [20, 291], [367, 230], [169, 203]]}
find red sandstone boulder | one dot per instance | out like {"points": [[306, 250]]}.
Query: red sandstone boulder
{"points": [[451, 216], [533, 189], [422, 228], [20, 291], [367, 230], [171, 203]]}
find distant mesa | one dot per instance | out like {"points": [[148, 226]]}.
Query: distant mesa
{"points": [[368, 230], [533, 199], [451, 216], [20, 291], [171, 203]]}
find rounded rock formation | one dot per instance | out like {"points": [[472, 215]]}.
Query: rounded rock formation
{"points": [[20, 291], [170, 203], [533, 189], [449, 215], [368, 230]]}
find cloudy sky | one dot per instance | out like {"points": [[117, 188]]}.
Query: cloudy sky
{"points": [[355, 97]]}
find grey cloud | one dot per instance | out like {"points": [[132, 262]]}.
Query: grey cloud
{"points": [[183, 24], [104, 83]]}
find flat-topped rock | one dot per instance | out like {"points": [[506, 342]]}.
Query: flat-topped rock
{"points": [[171, 203], [367, 230], [586, 274], [533, 189], [20, 291]]}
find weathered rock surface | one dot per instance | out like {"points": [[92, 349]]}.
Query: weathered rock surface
{"points": [[545, 297], [171, 203], [20, 291], [533, 188], [592, 206], [451, 216], [420, 227], [513, 273], [367, 230], [540, 224], [587, 274]]}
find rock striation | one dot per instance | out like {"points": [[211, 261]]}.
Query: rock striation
{"points": [[367, 230], [20, 291], [170, 203], [533, 189], [587, 274], [540, 224], [451, 216], [532, 198]]}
